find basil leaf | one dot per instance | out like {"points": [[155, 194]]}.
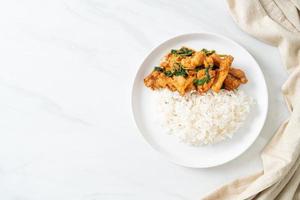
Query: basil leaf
{"points": [[207, 73], [206, 79], [173, 51], [168, 73], [183, 51], [198, 82], [180, 73], [158, 69], [179, 70], [207, 52]]}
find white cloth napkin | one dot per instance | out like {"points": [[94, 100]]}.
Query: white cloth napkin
{"points": [[276, 22]]}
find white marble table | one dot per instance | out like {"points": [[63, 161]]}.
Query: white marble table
{"points": [[66, 70]]}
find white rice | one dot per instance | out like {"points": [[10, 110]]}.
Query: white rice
{"points": [[203, 119]]}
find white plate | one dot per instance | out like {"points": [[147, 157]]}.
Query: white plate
{"points": [[143, 105]]}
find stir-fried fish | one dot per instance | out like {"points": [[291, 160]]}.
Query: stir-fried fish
{"points": [[201, 75], [235, 78], [222, 73], [193, 61], [185, 69], [239, 74]]}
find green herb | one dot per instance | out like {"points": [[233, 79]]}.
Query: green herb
{"points": [[198, 82], [207, 73], [183, 51], [158, 69], [206, 79], [207, 52], [173, 51], [179, 70], [168, 73]]}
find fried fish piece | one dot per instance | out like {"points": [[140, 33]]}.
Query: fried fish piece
{"points": [[207, 85], [150, 80], [239, 74], [216, 59], [156, 80], [222, 73], [208, 61], [193, 61], [231, 83], [234, 79], [169, 61], [189, 84], [182, 84]]}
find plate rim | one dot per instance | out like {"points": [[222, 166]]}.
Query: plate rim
{"points": [[169, 158]]}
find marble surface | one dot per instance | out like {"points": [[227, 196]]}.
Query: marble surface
{"points": [[66, 70]]}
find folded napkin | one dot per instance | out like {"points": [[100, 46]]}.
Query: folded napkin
{"points": [[276, 22]]}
